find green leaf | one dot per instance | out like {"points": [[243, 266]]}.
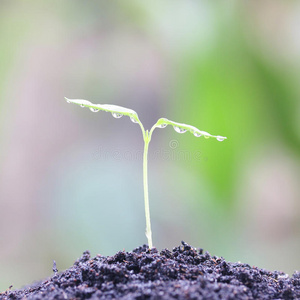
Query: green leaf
{"points": [[119, 111], [115, 110], [182, 128]]}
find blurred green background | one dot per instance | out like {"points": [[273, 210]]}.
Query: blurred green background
{"points": [[71, 180]]}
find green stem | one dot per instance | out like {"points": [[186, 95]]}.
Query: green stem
{"points": [[147, 139]]}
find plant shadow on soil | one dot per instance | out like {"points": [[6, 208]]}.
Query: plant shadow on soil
{"points": [[183, 273]]}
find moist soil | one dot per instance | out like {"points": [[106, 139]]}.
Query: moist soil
{"points": [[183, 273]]}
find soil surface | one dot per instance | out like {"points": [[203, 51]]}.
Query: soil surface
{"points": [[183, 273]]}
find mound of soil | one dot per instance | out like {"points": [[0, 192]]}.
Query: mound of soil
{"points": [[184, 273]]}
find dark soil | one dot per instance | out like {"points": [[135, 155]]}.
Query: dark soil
{"points": [[184, 273]]}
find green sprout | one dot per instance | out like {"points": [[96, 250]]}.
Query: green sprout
{"points": [[118, 112]]}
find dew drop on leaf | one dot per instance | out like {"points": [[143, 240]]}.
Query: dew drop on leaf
{"points": [[82, 105], [207, 136], [179, 129], [197, 134], [162, 126], [94, 109], [133, 120], [220, 138], [116, 115]]}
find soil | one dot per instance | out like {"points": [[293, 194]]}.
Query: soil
{"points": [[183, 273]]}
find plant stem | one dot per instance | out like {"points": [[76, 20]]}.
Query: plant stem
{"points": [[147, 139]]}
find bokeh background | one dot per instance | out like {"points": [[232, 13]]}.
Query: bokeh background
{"points": [[71, 180]]}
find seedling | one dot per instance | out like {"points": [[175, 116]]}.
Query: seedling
{"points": [[119, 111]]}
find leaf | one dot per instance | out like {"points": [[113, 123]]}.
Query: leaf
{"points": [[115, 110], [119, 111], [182, 128]]}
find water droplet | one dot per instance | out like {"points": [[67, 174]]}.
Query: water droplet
{"points": [[197, 134], [82, 105], [179, 129], [133, 120], [162, 126], [116, 115], [207, 136], [94, 109], [220, 138]]}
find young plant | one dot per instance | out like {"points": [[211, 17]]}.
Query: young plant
{"points": [[118, 112]]}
